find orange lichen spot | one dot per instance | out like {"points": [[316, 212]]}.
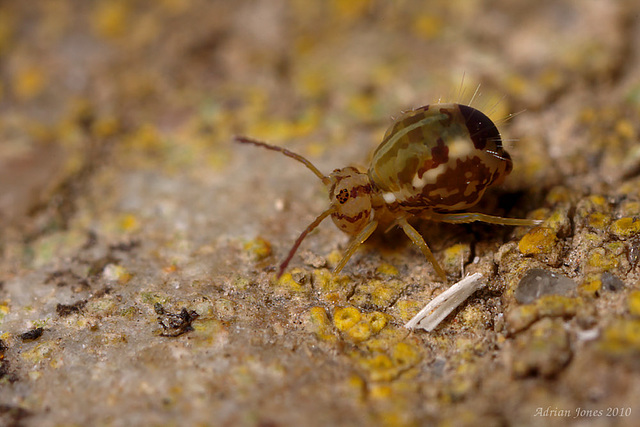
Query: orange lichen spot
{"points": [[625, 227], [116, 273], [170, 269], [539, 240], [258, 248], [29, 83]]}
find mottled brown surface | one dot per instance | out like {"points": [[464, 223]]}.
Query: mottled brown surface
{"points": [[127, 213]]}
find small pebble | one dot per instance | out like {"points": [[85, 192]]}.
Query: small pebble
{"points": [[537, 282], [611, 282]]}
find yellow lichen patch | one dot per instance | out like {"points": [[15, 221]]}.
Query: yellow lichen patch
{"points": [[208, 331], [557, 305], [521, 317], [621, 338], [629, 207], [4, 309], [516, 84], [128, 223], [633, 303], [380, 391], [405, 355], [334, 258], [361, 105], [379, 367], [345, 318], [455, 256], [105, 127], [40, 352], [625, 227], [361, 331], [110, 18], [29, 83], [146, 138], [591, 285], [294, 281], [356, 325], [104, 306], [378, 292], [405, 309], [333, 288], [558, 195], [257, 249], [386, 366], [598, 220], [377, 320], [625, 129], [427, 26], [602, 259], [592, 204], [387, 269], [350, 10], [320, 324], [539, 240]]}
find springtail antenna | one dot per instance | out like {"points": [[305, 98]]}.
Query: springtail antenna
{"points": [[300, 238], [244, 140], [325, 179]]}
